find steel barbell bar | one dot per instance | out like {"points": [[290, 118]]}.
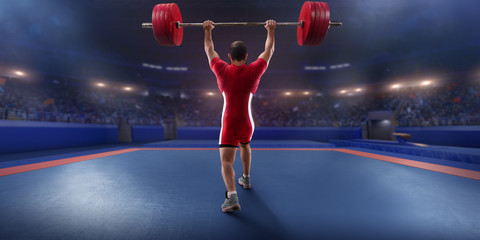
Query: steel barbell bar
{"points": [[227, 24]]}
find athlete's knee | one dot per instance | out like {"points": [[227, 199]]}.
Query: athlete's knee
{"points": [[227, 163], [227, 155], [244, 145]]}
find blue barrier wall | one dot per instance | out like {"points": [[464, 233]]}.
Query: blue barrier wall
{"points": [[322, 134], [147, 133], [461, 136], [20, 136], [198, 132]]}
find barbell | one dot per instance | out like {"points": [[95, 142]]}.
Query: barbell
{"points": [[312, 26]]}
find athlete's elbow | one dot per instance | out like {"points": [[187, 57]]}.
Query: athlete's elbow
{"points": [[209, 50], [270, 47], [271, 51]]}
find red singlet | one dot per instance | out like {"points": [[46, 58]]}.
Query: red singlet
{"points": [[237, 85]]}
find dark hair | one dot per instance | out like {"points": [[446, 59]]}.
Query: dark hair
{"points": [[238, 50]]}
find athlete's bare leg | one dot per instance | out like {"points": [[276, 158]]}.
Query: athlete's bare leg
{"points": [[246, 156], [227, 156]]}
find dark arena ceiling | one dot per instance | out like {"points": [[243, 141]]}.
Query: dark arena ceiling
{"points": [[379, 40]]}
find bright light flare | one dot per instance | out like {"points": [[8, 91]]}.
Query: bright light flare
{"points": [[358, 90], [395, 86], [288, 93], [306, 93], [101, 84], [127, 89], [19, 73], [343, 91], [426, 83], [210, 93]]}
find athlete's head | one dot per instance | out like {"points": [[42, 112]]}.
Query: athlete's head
{"points": [[238, 51]]}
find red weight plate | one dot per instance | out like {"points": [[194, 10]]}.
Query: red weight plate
{"points": [[324, 26], [158, 24], [167, 34], [177, 33], [313, 23], [306, 17], [161, 19], [325, 23], [319, 26], [313, 20], [327, 20], [172, 16], [166, 23], [154, 21], [316, 28]]}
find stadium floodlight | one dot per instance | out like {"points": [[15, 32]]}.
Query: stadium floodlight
{"points": [[19, 73], [127, 88], [426, 83], [358, 90], [338, 66], [395, 86], [318, 68], [343, 91], [210, 93], [153, 66], [288, 93], [306, 93], [101, 84], [315, 68], [184, 69]]}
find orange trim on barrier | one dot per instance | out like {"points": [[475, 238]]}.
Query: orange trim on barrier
{"points": [[54, 163], [423, 165], [428, 166]]}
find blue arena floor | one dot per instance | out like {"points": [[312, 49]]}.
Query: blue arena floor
{"points": [[296, 194]]}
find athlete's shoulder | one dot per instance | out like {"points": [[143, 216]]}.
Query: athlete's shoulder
{"points": [[218, 63], [259, 62], [216, 60]]}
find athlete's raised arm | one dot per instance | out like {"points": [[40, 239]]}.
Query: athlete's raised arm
{"points": [[209, 49], [270, 42]]}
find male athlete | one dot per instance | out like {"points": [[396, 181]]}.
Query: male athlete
{"points": [[237, 83]]}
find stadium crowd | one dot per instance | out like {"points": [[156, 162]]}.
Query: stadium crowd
{"points": [[62, 101], [449, 105]]}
